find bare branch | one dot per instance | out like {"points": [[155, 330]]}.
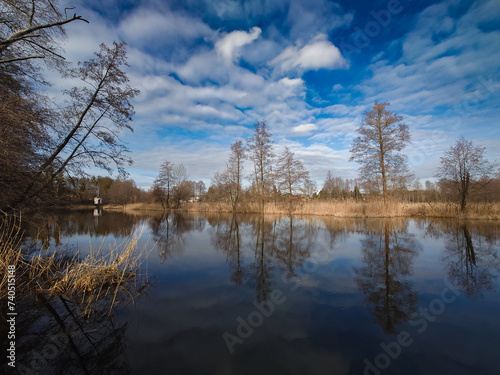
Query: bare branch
{"points": [[3, 61], [25, 33]]}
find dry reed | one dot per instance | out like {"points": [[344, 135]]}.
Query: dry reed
{"points": [[353, 208], [94, 280], [10, 249]]}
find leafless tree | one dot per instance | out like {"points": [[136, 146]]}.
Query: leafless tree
{"points": [[382, 136], [461, 165], [24, 135], [164, 183], [97, 113], [123, 192], [29, 30], [234, 172], [260, 148], [310, 188], [200, 188], [172, 180], [291, 174]]}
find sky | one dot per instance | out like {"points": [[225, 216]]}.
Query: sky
{"points": [[208, 70]]}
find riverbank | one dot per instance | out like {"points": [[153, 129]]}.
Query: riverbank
{"points": [[88, 283], [348, 208]]}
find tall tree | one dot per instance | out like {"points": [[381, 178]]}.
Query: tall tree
{"points": [[234, 172], [260, 148], [328, 185], [24, 135], [291, 174], [172, 180], [30, 31], [382, 136], [462, 164], [164, 183], [98, 112]]}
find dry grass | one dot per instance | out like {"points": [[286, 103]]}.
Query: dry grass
{"points": [[338, 208], [10, 249], [352, 208], [98, 279], [136, 207], [87, 282]]}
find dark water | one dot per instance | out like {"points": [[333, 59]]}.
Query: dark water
{"points": [[281, 295]]}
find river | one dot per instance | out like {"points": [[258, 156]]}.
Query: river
{"points": [[282, 295]]}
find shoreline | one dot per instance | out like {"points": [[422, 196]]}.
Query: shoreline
{"points": [[337, 209]]}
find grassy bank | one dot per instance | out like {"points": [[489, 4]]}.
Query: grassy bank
{"points": [[99, 278], [337, 208], [375, 209]]}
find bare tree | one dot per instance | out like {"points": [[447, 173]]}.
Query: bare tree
{"points": [[172, 180], [24, 135], [234, 172], [219, 187], [291, 174], [93, 121], [184, 191], [462, 164], [328, 185], [310, 188], [260, 148], [29, 29], [200, 188], [164, 183], [382, 136]]}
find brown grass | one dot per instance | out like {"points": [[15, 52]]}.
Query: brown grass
{"points": [[136, 207], [364, 209], [96, 279], [337, 208], [10, 249]]}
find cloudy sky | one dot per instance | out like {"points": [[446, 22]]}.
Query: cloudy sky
{"points": [[209, 69]]}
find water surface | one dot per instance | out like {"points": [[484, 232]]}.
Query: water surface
{"points": [[288, 295]]}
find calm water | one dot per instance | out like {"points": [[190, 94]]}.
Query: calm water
{"points": [[281, 295]]}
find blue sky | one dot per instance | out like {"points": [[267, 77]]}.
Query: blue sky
{"points": [[209, 69]]}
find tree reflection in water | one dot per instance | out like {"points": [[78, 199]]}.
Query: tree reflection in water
{"points": [[295, 240], [261, 270], [53, 338], [54, 225], [169, 232], [226, 237], [472, 260], [388, 254], [286, 241]]}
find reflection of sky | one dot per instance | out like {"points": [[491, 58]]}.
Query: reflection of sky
{"points": [[324, 325]]}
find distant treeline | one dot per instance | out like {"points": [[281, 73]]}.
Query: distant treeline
{"points": [[123, 192]]}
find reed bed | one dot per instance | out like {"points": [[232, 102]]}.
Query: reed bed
{"points": [[98, 279], [10, 250], [353, 208]]}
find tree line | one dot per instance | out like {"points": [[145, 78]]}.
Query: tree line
{"points": [[464, 175], [271, 177], [47, 145]]}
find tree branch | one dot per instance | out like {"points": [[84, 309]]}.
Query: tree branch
{"points": [[22, 34], [3, 61]]}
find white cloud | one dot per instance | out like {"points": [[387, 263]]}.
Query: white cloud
{"points": [[317, 54], [304, 129], [229, 46], [162, 26]]}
